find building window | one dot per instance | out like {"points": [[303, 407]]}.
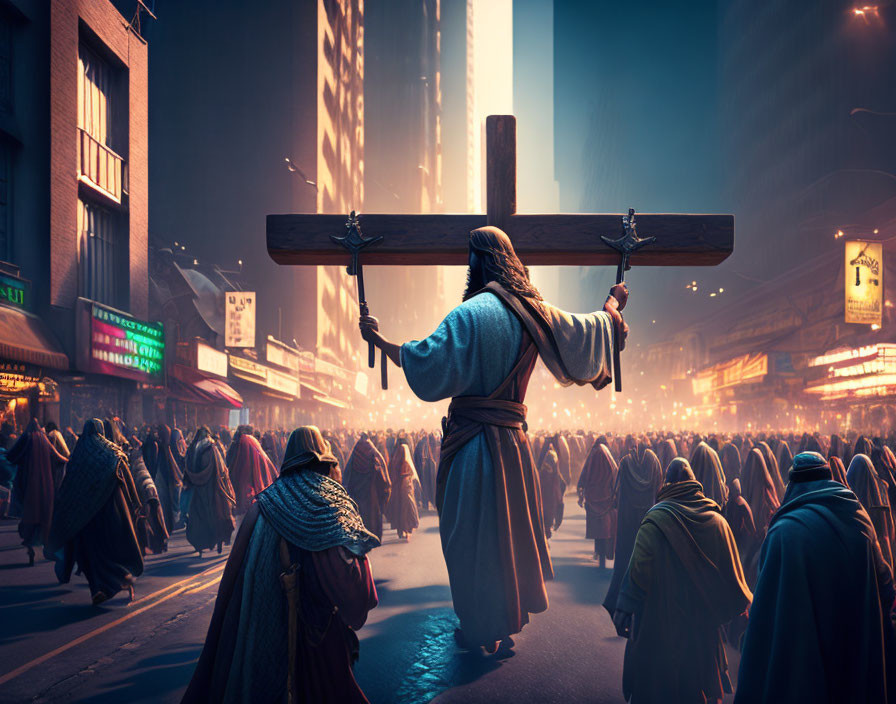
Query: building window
{"points": [[94, 92], [100, 254], [99, 165]]}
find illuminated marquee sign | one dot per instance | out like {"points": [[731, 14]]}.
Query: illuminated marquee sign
{"points": [[117, 344], [862, 371], [864, 282], [16, 377]]}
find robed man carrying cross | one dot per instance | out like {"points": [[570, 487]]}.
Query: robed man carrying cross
{"points": [[482, 355]]}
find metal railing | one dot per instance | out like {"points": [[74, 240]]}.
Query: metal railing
{"points": [[101, 167]]}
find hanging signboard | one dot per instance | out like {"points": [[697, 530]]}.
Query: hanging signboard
{"points": [[283, 355], [864, 282], [113, 342], [210, 360], [239, 319], [16, 377], [15, 292]]}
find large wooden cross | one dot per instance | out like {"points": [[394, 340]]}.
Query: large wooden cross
{"points": [[554, 239]]}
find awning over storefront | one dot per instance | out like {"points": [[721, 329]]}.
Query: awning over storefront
{"points": [[330, 401], [25, 338], [193, 386]]}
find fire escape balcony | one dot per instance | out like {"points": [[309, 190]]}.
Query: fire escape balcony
{"points": [[101, 168]]}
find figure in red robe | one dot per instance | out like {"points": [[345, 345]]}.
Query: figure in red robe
{"points": [[596, 489], [251, 470]]}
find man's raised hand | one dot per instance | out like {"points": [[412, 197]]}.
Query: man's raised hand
{"points": [[370, 327], [616, 302]]}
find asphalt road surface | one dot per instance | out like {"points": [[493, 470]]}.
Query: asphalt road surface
{"points": [[56, 647]]}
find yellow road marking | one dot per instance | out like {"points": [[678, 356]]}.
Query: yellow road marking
{"points": [[201, 587], [102, 629], [211, 570]]}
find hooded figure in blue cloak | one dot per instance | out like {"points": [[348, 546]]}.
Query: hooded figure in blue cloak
{"points": [[820, 628], [296, 587], [487, 487]]}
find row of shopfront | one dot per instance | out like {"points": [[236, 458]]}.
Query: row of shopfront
{"points": [[119, 365], [849, 387]]}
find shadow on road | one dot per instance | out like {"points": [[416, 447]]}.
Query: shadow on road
{"points": [[413, 595], [411, 658], [152, 678], [587, 583]]}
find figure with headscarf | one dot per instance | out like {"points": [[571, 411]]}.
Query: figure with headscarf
{"points": [[402, 507], [296, 588], [730, 458], [212, 500], [426, 469], [820, 628], [149, 523], [93, 518], [871, 491], [168, 478], [58, 442], [366, 478], [553, 487], [637, 483], [596, 489], [771, 464], [250, 468], [38, 465], [707, 468], [152, 533], [759, 489], [683, 585], [740, 517], [666, 452]]}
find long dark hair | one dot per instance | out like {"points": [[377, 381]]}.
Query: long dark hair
{"points": [[501, 263]]}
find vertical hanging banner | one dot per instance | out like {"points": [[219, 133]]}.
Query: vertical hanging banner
{"points": [[240, 319], [864, 282]]}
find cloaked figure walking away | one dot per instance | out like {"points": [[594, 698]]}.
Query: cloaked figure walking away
{"points": [[296, 588], [93, 520], [210, 512], [366, 479], [637, 483], [820, 627], [684, 583], [553, 489], [250, 468], [402, 506], [34, 490], [482, 356], [597, 487]]}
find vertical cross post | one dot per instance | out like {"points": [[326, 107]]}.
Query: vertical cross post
{"points": [[500, 170]]}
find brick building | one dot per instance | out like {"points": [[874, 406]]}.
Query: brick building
{"points": [[74, 220]]}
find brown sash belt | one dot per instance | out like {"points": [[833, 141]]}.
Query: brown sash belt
{"points": [[467, 416]]}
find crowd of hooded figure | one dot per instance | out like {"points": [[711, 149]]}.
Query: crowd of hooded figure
{"points": [[778, 545]]}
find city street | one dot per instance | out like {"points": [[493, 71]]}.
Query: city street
{"points": [[56, 647]]}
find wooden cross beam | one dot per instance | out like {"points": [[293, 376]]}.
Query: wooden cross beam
{"points": [[559, 239]]}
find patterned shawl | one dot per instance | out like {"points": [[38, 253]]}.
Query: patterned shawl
{"points": [[91, 476]]}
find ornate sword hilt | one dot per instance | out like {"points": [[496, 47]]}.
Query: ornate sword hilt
{"points": [[354, 242], [626, 245]]}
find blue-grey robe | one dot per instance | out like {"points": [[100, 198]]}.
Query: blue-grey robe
{"points": [[470, 354]]}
